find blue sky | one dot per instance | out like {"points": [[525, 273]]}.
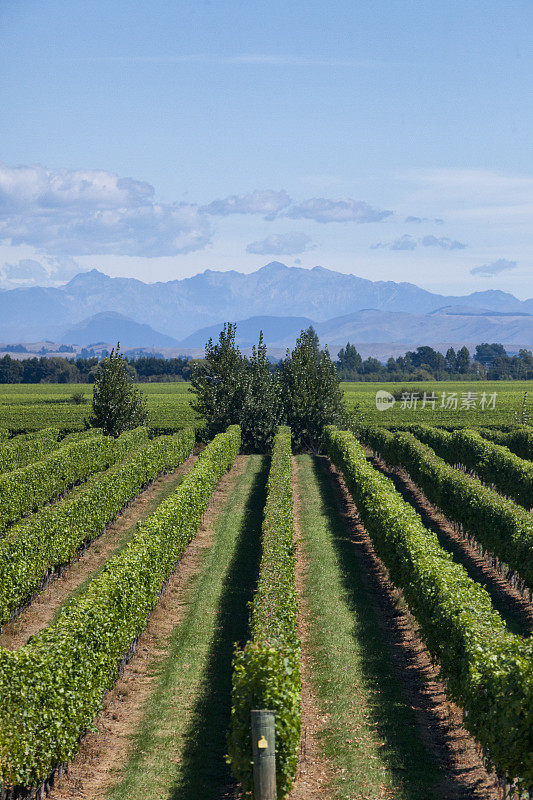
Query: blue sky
{"points": [[159, 139]]}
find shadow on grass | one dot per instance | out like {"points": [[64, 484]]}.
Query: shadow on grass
{"points": [[413, 765], [204, 773]]}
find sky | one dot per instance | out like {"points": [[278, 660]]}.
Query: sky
{"points": [[391, 139]]}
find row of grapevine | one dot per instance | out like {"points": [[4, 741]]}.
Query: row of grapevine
{"points": [[493, 463], [25, 490], [52, 688], [266, 672], [519, 441], [496, 523], [33, 549], [25, 449], [78, 436], [489, 671]]}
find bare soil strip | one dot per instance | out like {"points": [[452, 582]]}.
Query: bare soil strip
{"points": [[46, 605], [314, 771], [103, 753], [513, 606], [439, 720]]}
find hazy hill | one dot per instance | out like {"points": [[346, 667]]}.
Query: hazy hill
{"points": [[113, 327], [180, 308]]}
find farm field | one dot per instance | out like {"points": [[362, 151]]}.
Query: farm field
{"points": [[376, 598], [28, 407]]}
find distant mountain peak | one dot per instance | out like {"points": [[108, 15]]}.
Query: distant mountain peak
{"points": [[273, 266], [179, 307], [87, 279]]}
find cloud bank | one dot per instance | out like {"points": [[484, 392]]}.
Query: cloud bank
{"points": [[258, 202], [408, 242], [281, 244], [84, 212], [493, 268], [419, 220], [323, 210], [51, 271]]}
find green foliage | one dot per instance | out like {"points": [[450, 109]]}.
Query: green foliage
{"points": [[78, 436], [218, 383], [265, 677], [22, 450], [311, 392], [25, 408], [32, 549], [493, 463], [489, 671], [519, 441], [231, 389], [52, 688], [498, 524], [523, 416], [267, 671], [78, 398], [261, 410], [25, 490], [118, 404]]}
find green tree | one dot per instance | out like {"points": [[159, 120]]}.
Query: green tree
{"points": [[486, 353], [311, 392], [451, 360], [118, 404], [349, 359], [261, 411], [219, 383], [233, 390], [463, 360]]}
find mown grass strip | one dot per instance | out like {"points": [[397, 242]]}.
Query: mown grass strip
{"points": [[178, 750], [371, 734]]}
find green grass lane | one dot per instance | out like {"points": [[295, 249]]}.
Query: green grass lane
{"points": [[178, 749], [371, 735]]}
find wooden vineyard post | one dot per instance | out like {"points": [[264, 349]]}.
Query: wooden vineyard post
{"points": [[264, 754]]}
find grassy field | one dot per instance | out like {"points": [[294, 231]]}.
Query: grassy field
{"points": [[25, 407]]}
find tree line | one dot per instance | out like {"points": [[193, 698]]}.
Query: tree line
{"points": [[489, 362], [229, 388], [57, 369]]}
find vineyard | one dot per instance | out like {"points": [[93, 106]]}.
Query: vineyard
{"points": [[374, 594], [25, 408]]}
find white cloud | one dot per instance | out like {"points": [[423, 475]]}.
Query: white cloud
{"points": [[51, 271], [258, 202], [419, 220], [323, 210], [84, 212], [405, 242], [493, 268], [442, 242], [281, 244], [27, 270], [408, 242]]}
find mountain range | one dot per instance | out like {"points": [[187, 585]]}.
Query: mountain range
{"points": [[278, 299]]}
